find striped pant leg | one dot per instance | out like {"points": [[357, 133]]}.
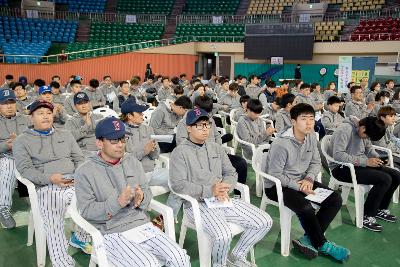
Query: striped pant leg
{"points": [[216, 226], [7, 181], [124, 253], [53, 203], [256, 224], [166, 250]]}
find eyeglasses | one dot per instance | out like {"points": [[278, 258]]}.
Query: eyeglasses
{"points": [[116, 141], [201, 126]]}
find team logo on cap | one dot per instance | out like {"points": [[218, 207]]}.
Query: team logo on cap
{"points": [[117, 126], [6, 93], [197, 111], [80, 95]]}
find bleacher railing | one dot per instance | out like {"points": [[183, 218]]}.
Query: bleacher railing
{"points": [[103, 17], [230, 19], [112, 50]]}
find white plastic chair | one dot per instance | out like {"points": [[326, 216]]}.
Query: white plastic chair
{"points": [[397, 192], [233, 126], [203, 240], [359, 189], [147, 115], [285, 213], [106, 112], [99, 256], [35, 224]]}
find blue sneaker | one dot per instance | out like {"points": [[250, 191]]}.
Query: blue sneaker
{"points": [[304, 246], [86, 247], [337, 252]]}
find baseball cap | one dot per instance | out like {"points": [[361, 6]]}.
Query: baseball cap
{"points": [[79, 78], [194, 115], [130, 105], [44, 89], [110, 128], [79, 97], [39, 104], [6, 94]]}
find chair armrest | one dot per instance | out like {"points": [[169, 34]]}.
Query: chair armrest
{"points": [[253, 146], [97, 237], [389, 153], [244, 191], [319, 177], [26, 182], [278, 186], [196, 211], [168, 216], [228, 149]]}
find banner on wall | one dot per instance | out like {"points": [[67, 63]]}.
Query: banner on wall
{"points": [[363, 67], [345, 73]]}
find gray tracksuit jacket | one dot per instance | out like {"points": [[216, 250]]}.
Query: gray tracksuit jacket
{"points": [[38, 156], [194, 169], [163, 93], [182, 134], [371, 97], [290, 161], [59, 99], [387, 141], [105, 90], [253, 132], [17, 124], [300, 98], [163, 120], [83, 133], [270, 111], [230, 101], [328, 94], [253, 91], [331, 121], [60, 119], [241, 112], [98, 185], [346, 145], [137, 138], [317, 97], [282, 120], [69, 105], [22, 104], [356, 109], [96, 97]]}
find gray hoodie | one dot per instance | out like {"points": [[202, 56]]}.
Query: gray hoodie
{"points": [[69, 105], [347, 146], [83, 133], [60, 119], [182, 134], [22, 104], [96, 97], [194, 169], [371, 97], [17, 124], [357, 109], [253, 91], [290, 161], [137, 138], [331, 121], [163, 120], [239, 113], [163, 93], [105, 90], [328, 94], [317, 97], [98, 185], [59, 99], [387, 141], [38, 156], [282, 120], [300, 98], [270, 111], [253, 132], [231, 101]]}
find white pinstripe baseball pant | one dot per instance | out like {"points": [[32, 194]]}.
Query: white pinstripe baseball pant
{"points": [[53, 203], [256, 223], [157, 251], [7, 181]]}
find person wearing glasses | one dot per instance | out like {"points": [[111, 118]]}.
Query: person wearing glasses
{"points": [[202, 170], [48, 157], [113, 195]]}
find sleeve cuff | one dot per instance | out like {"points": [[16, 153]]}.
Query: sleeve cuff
{"points": [[207, 191], [113, 206]]}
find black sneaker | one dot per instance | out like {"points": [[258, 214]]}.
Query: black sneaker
{"points": [[370, 224], [386, 216]]}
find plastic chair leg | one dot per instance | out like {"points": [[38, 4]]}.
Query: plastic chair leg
{"points": [[396, 196], [359, 204], [286, 224], [182, 234], [345, 194], [31, 230], [263, 205], [204, 249], [40, 238], [259, 184]]}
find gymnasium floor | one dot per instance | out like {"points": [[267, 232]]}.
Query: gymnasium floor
{"points": [[367, 248]]}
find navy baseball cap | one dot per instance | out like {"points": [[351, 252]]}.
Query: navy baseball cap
{"points": [[7, 94], [130, 105], [44, 89], [39, 104], [194, 115], [79, 97], [110, 128]]}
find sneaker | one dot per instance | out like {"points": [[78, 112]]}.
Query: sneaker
{"points": [[386, 216], [86, 247], [6, 219], [370, 224], [337, 252], [304, 246], [232, 261]]}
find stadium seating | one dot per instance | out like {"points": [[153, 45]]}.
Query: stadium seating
{"points": [[96, 6], [145, 6], [380, 29], [211, 7], [356, 5], [218, 32], [35, 30], [270, 7], [328, 30], [24, 48], [3, 3]]}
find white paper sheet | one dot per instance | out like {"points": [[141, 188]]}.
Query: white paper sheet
{"points": [[214, 203], [320, 195], [168, 138], [141, 233]]}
